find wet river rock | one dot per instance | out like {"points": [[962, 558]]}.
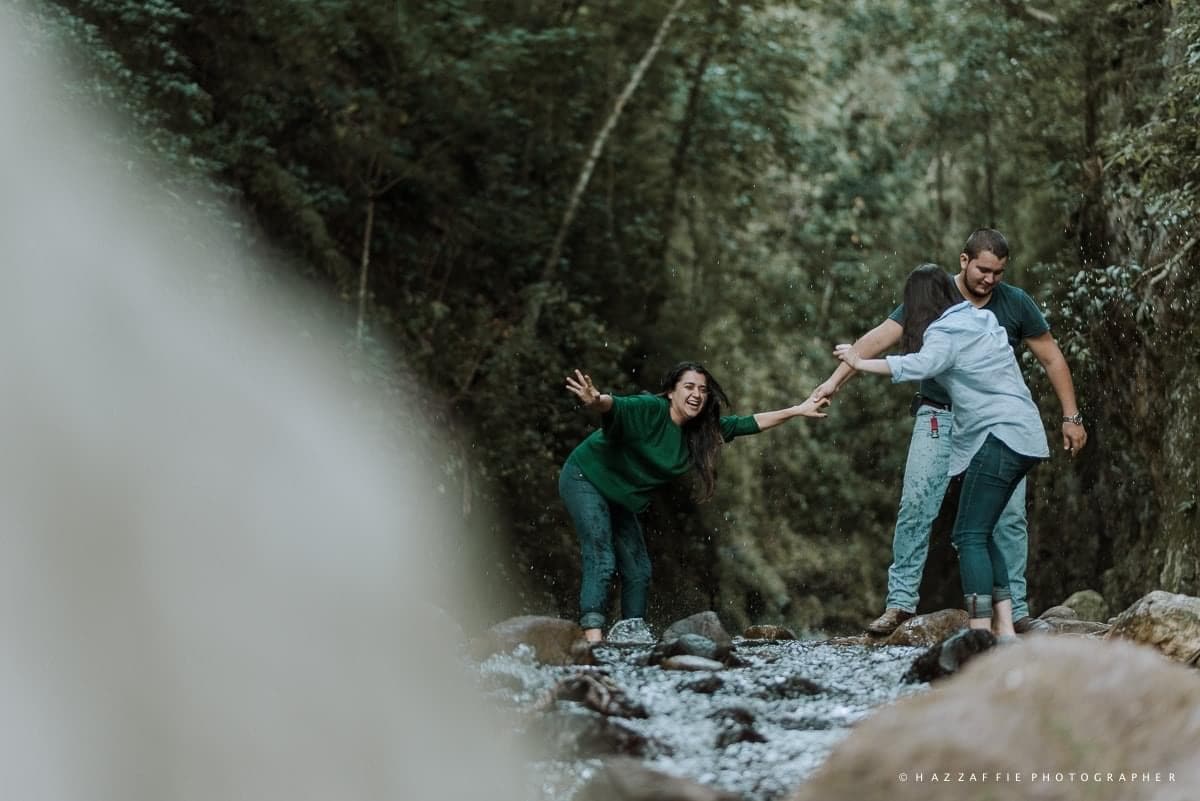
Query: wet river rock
{"points": [[949, 656], [705, 624], [688, 662], [1088, 605], [929, 629], [1166, 621], [772, 633], [690, 645]]}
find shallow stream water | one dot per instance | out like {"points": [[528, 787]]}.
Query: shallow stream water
{"points": [[757, 730]]}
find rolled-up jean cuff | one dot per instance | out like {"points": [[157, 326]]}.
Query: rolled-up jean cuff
{"points": [[978, 606], [591, 620], [1001, 594]]}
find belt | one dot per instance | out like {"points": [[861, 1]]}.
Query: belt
{"points": [[945, 407]]}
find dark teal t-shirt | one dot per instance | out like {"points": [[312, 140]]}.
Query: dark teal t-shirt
{"points": [[1017, 314], [640, 448]]}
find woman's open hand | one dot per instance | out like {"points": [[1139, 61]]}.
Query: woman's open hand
{"points": [[582, 387]]}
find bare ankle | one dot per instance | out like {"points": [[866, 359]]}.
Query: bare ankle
{"points": [[593, 635]]}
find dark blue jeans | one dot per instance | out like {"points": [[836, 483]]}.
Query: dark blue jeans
{"points": [[988, 483], [611, 543]]}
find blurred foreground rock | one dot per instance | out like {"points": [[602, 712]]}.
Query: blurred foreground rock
{"points": [[1022, 715], [554, 641], [629, 780]]}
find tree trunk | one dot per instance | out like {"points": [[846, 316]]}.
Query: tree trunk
{"points": [[364, 267], [601, 138], [989, 169], [687, 124]]}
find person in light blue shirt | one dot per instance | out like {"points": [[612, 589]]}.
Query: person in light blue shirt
{"points": [[999, 435], [982, 264]]}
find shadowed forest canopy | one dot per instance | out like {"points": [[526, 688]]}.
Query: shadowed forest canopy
{"points": [[774, 173]]}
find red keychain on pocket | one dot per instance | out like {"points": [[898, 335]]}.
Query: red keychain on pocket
{"points": [[933, 428]]}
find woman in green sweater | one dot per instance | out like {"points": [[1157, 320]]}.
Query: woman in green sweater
{"points": [[645, 441]]}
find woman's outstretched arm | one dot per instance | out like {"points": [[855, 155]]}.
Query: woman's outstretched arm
{"points": [[581, 386], [809, 408]]}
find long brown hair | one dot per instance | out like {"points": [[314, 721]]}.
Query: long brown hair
{"points": [[928, 292], [702, 432]]}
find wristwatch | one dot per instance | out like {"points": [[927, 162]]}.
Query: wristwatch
{"points": [[1076, 418]]}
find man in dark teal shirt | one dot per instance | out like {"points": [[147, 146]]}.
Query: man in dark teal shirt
{"points": [[982, 263]]}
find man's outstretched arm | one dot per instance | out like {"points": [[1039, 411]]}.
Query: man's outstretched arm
{"points": [[882, 337]]}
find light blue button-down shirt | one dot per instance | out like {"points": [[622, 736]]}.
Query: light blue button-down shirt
{"points": [[968, 352]]}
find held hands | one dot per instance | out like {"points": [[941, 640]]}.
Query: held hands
{"points": [[824, 391], [848, 354], [809, 408], [582, 387]]}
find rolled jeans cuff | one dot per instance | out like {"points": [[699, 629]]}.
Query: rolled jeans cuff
{"points": [[1001, 594], [591, 620], [978, 606]]}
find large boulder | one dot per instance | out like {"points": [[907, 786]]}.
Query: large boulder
{"points": [[1029, 721], [554, 641], [1167, 621]]}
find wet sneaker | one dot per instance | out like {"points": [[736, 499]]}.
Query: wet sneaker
{"points": [[887, 622], [631, 631]]}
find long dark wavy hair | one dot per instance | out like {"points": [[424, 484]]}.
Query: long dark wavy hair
{"points": [[928, 292], [702, 432]]}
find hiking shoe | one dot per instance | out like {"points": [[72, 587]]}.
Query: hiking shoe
{"points": [[887, 622], [1032, 625]]}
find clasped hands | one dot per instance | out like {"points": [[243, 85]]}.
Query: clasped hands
{"points": [[848, 354]]}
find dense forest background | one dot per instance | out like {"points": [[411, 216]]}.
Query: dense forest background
{"points": [[768, 181]]}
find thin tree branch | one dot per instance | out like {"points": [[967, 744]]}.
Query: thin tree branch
{"points": [[602, 137]]}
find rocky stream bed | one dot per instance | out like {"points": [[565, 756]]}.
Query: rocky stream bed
{"points": [[757, 730], [693, 714]]}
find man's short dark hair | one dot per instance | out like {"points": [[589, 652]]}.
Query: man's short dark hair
{"points": [[982, 239]]}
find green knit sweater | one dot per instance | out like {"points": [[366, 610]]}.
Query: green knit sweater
{"points": [[640, 448]]}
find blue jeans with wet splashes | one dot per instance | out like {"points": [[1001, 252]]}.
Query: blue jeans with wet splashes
{"points": [[611, 544], [925, 483]]}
